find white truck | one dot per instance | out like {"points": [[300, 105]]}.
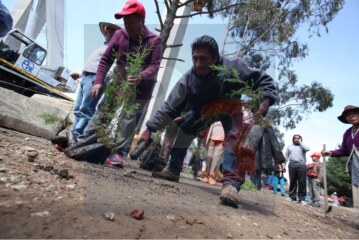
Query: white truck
{"points": [[21, 69]]}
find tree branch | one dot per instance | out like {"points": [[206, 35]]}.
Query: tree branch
{"points": [[174, 45], [167, 6], [159, 15], [185, 3], [176, 59], [214, 11]]}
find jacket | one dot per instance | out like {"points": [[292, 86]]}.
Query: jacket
{"points": [[347, 144], [121, 44], [279, 170], [196, 91]]}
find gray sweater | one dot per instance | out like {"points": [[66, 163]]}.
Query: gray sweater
{"points": [[193, 92], [296, 153]]}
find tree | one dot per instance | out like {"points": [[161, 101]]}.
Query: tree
{"points": [[172, 7], [263, 30], [338, 180]]}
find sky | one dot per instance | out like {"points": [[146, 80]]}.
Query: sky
{"points": [[332, 58]]}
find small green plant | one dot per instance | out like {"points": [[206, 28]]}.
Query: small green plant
{"points": [[251, 96], [119, 94], [50, 118], [249, 186]]}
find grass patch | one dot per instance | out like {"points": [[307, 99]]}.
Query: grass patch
{"points": [[49, 118], [249, 186]]}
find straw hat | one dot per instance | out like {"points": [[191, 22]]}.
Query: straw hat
{"points": [[104, 26]]}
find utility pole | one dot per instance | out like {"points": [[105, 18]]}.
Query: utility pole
{"points": [[167, 66], [326, 206]]}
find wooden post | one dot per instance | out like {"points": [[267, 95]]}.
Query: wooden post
{"points": [[326, 207]]}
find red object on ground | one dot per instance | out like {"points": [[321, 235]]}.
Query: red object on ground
{"points": [[137, 214], [58, 147]]}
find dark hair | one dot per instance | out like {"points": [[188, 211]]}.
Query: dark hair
{"points": [[206, 42], [296, 135]]}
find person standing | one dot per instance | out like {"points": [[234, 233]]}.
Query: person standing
{"points": [[315, 175], [350, 148], [279, 170], [207, 92], [295, 154], [214, 146], [85, 104], [135, 36]]}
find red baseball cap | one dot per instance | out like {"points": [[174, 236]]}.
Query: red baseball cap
{"points": [[316, 154], [132, 6]]}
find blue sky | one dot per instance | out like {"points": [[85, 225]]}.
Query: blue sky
{"points": [[332, 58]]}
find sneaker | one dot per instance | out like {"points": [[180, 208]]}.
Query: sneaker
{"points": [[166, 175], [229, 196], [291, 199], [303, 202], [114, 160], [316, 204]]}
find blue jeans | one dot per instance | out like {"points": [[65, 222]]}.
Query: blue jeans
{"points": [[279, 180], [85, 105]]}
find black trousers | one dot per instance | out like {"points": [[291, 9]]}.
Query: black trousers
{"points": [[298, 180]]}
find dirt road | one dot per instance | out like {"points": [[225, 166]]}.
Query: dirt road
{"points": [[52, 196]]}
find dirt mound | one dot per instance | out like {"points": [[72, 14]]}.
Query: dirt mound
{"points": [[44, 194]]}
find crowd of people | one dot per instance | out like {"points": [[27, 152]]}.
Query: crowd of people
{"points": [[202, 104]]}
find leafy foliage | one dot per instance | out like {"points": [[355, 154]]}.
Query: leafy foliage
{"points": [[296, 101], [263, 30], [251, 96], [120, 95], [338, 180]]}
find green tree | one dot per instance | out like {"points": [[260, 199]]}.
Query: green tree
{"points": [[264, 31], [337, 179]]}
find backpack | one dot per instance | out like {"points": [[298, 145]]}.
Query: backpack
{"points": [[313, 170]]}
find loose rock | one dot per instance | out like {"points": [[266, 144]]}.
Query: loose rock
{"points": [[137, 214], [110, 216]]}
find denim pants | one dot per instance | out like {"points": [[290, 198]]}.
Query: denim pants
{"points": [[85, 105], [188, 130], [279, 180]]}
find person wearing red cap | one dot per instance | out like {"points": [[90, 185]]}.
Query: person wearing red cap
{"points": [[315, 176], [350, 147], [135, 35]]}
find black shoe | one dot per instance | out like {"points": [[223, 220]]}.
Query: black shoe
{"points": [[90, 151], [84, 142], [166, 175], [60, 140]]}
